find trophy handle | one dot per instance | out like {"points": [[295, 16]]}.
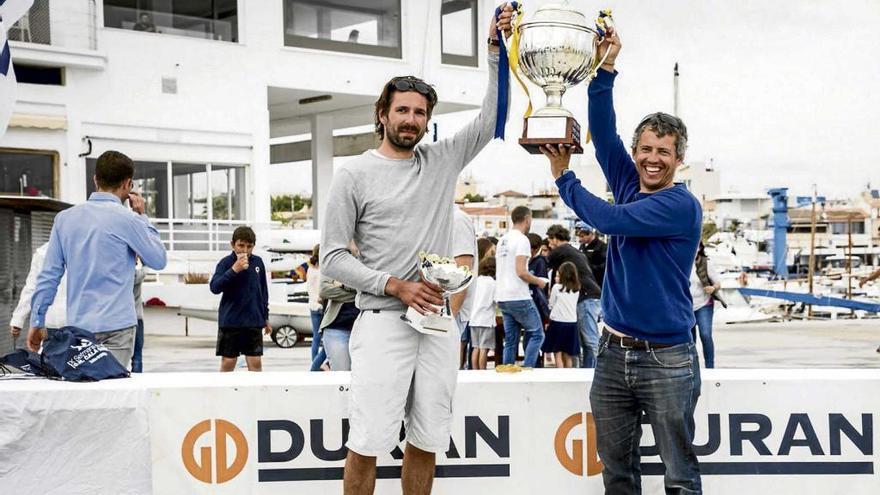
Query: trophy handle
{"points": [[596, 62]]}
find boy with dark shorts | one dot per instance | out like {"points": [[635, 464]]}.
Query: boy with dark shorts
{"points": [[244, 307]]}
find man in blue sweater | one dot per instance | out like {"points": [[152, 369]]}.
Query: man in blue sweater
{"points": [[244, 307], [647, 362]]}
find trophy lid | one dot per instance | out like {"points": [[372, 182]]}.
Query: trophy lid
{"points": [[561, 14]]}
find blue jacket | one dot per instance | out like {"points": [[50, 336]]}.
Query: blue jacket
{"points": [[245, 301], [653, 238]]}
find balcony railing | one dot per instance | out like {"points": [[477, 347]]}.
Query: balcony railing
{"points": [[157, 21], [61, 23], [185, 234]]}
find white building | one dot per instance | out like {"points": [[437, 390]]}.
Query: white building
{"points": [[193, 91], [740, 208]]}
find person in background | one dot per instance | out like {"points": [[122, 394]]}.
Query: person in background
{"points": [[545, 247], [56, 315], [316, 308], [340, 313], [562, 333], [244, 307], [83, 239], [705, 284], [485, 248], [464, 252], [137, 357], [588, 303], [593, 248], [483, 314], [538, 267], [512, 291], [145, 23]]}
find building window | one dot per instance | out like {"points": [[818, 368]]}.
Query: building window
{"points": [[33, 27], [458, 32], [150, 180], [186, 197], [207, 19], [28, 173], [841, 228], [35, 74], [370, 28], [227, 191]]}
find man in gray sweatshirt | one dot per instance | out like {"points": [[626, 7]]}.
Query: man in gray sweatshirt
{"points": [[394, 202]]}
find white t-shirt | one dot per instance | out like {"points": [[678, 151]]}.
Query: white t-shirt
{"points": [[563, 305], [464, 243], [697, 293], [483, 311], [510, 286]]}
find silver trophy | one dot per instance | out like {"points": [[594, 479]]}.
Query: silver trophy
{"points": [[557, 50], [451, 278]]}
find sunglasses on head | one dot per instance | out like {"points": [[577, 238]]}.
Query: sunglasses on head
{"points": [[411, 84]]}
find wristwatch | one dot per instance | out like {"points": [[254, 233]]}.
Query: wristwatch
{"points": [[568, 170], [493, 41]]}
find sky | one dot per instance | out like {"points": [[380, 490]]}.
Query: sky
{"points": [[776, 94]]}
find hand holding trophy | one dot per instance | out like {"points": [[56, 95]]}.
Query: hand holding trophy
{"points": [[451, 278], [556, 50]]}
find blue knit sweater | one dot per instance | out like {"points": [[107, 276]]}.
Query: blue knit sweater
{"points": [[653, 236]]}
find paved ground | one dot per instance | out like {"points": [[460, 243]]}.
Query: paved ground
{"points": [[797, 344]]}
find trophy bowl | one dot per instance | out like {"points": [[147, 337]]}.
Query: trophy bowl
{"points": [[445, 273], [556, 51]]}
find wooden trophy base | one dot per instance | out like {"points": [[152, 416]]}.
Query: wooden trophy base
{"points": [[540, 131]]}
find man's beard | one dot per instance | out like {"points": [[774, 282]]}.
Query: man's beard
{"points": [[405, 143]]}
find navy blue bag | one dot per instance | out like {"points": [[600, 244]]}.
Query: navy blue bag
{"points": [[73, 354], [26, 361]]}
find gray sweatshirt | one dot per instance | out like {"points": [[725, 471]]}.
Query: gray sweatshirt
{"points": [[395, 208]]}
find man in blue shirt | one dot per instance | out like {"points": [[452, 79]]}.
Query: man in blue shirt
{"points": [[96, 244], [647, 363]]}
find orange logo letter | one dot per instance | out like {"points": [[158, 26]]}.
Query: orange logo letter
{"points": [[202, 469], [573, 461]]}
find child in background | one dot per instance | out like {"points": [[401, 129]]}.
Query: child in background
{"points": [[483, 314], [562, 333], [244, 307]]}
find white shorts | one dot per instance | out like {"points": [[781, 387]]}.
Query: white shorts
{"points": [[399, 374]]}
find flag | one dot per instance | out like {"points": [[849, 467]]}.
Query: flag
{"points": [[10, 12]]}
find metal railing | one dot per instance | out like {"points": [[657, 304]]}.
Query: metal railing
{"points": [[192, 234], [62, 23]]}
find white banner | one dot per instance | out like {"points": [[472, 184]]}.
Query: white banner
{"points": [[785, 431]]}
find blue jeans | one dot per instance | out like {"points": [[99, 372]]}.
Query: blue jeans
{"points": [[704, 322], [318, 354], [521, 315], [664, 384], [137, 356], [336, 344], [588, 330]]}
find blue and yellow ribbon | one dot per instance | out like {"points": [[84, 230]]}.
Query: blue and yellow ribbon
{"points": [[503, 76]]}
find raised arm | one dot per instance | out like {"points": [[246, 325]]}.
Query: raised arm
{"points": [[667, 213], [612, 154], [223, 274], [143, 239], [465, 144]]}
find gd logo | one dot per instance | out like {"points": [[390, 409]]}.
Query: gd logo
{"points": [[202, 469], [573, 460]]}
